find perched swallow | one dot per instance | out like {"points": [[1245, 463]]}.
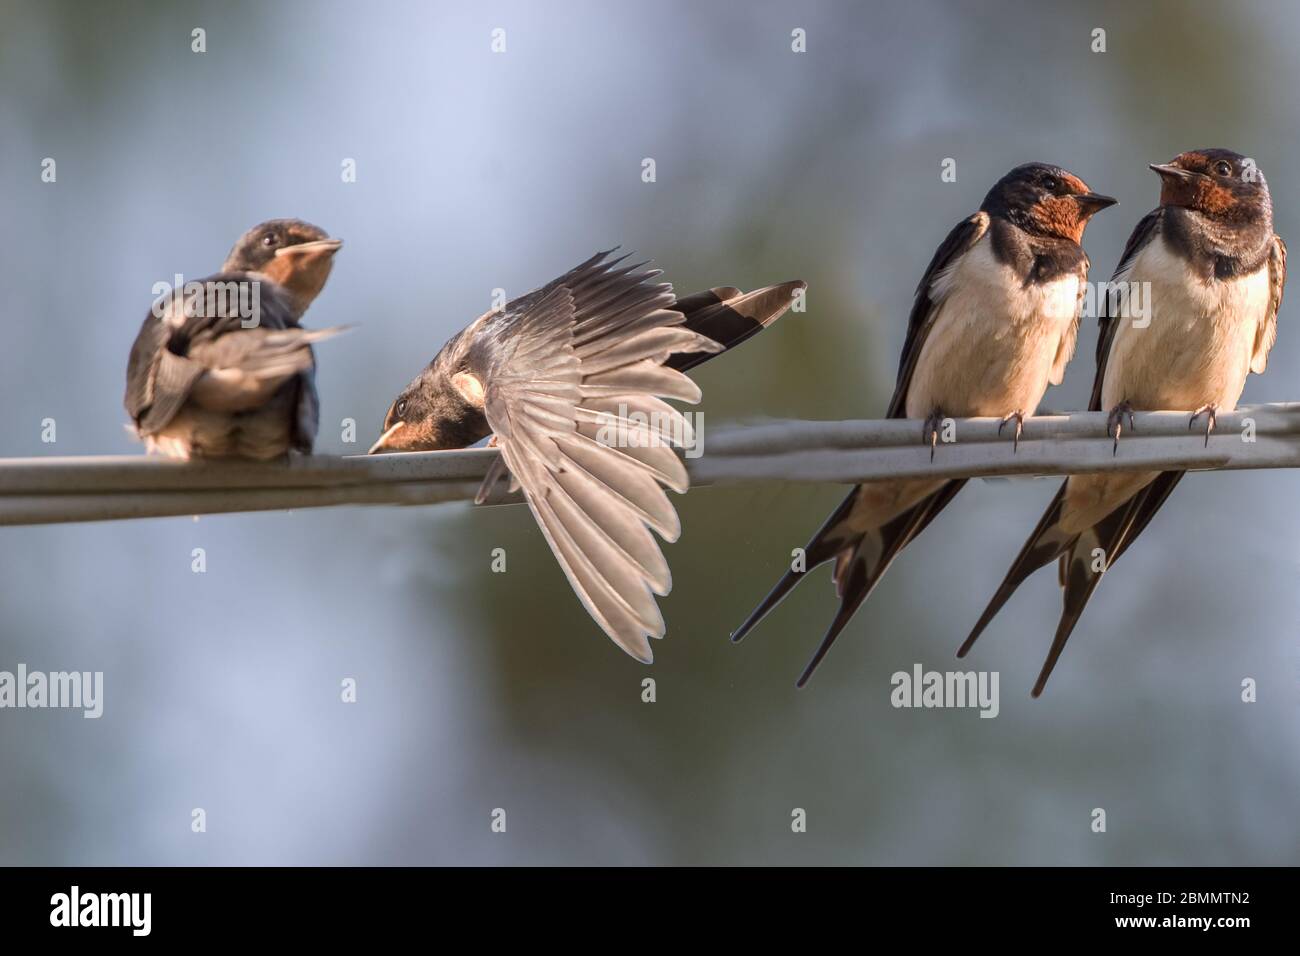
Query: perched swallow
{"points": [[1214, 271], [993, 323], [570, 381], [221, 368]]}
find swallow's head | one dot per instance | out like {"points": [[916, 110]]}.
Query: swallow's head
{"points": [[1218, 183], [433, 413], [290, 252], [1045, 200]]}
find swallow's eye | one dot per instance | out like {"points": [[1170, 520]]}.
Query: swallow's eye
{"points": [[269, 239], [401, 407], [1050, 183], [1223, 168]]}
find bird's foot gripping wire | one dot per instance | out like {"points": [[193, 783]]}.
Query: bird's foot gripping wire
{"points": [[1019, 418], [930, 431], [1115, 422], [1211, 418]]}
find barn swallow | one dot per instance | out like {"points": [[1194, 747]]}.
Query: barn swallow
{"points": [[993, 323], [569, 381], [1214, 271], [222, 367]]}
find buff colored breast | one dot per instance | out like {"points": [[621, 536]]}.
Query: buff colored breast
{"points": [[1197, 347], [996, 343]]}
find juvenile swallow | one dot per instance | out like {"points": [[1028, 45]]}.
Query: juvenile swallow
{"points": [[221, 368], [994, 322], [1214, 271], [569, 380]]}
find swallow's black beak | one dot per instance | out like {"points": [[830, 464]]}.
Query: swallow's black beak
{"points": [[1169, 171], [1096, 201]]}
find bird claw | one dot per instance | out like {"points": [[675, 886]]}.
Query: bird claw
{"points": [[930, 430], [1116, 421], [1019, 418], [1211, 418]]}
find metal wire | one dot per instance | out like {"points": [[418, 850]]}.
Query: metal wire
{"points": [[56, 490]]}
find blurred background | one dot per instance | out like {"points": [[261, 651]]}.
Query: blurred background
{"points": [[477, 170]]}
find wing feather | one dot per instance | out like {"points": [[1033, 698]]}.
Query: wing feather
{"points": [[1144, 232], [645, 418], [655, 344], [636, 486], [1267, 333], [658, 459], [644, 375]]}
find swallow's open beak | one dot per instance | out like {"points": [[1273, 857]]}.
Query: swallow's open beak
{"points": [[1174, 172], [381, 447], [1096, 201]]}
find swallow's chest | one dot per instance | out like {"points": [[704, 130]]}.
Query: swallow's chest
{"points": [[1004, 305], [1185, 337], [995, 336]]}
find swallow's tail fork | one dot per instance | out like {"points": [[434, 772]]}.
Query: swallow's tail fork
{"points": [[1047, 543], [729, 316], [1083, 558], [861, 559]]}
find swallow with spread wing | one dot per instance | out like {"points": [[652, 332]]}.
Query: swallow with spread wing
{"points": [[221, 367], [993, 324], [570, 382], [1213, 271]]}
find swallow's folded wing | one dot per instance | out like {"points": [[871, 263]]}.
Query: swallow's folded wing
{"points": [[573, 387], [1267, 333], [1113, 303], [157, 379], [925, 307]]}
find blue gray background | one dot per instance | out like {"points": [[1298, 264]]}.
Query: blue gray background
{"points": [[479, 690]]}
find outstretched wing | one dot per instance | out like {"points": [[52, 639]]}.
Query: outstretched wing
{"points": [[1148, 228], [1267, 333], [573, 382], [928, 298]]}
